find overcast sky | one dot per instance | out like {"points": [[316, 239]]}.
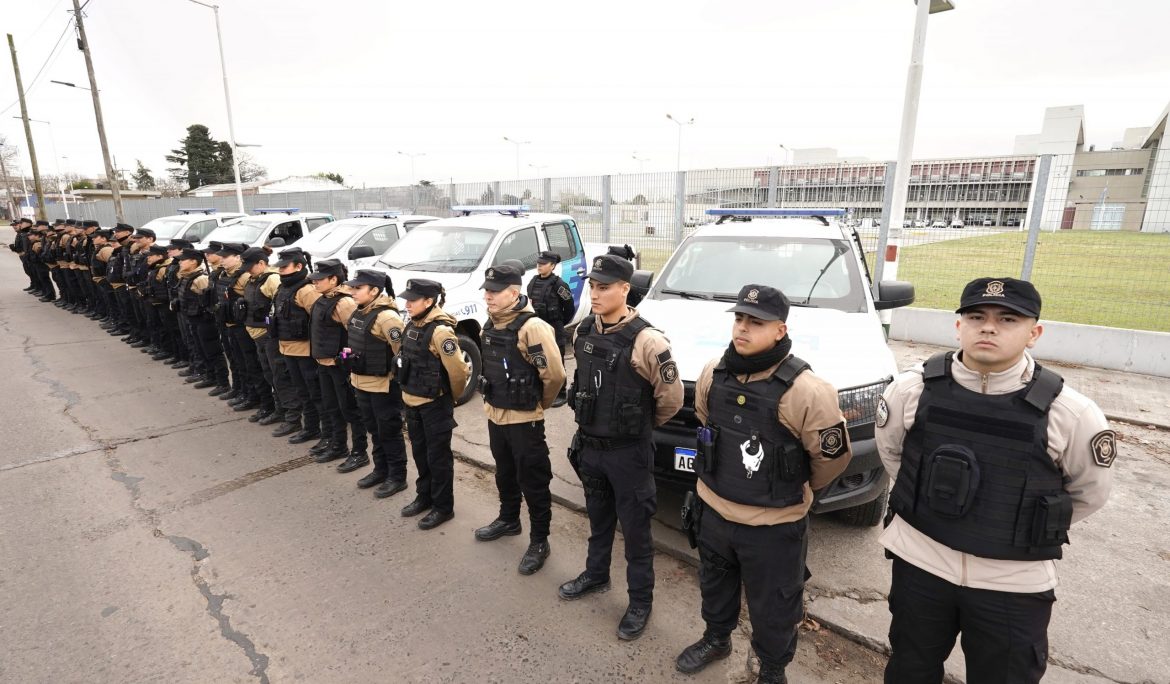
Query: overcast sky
{"points": [[344, 85]]}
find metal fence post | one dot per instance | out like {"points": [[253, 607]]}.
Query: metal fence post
{"points": [[680, 205], [496, 199], [1035, 214], [548, 194], [879, 261], [606, 203], [773, 181]]}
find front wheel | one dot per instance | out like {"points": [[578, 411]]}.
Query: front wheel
{"points": [[472, 358], [867, 514]]}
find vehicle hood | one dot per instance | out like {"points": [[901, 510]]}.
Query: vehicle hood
{"points": [[847, 349], [450, 281]]}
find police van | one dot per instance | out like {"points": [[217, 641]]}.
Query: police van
{"points": [[456, 251], [288, 224], [819, 264], [192, 224], [359, 239]]}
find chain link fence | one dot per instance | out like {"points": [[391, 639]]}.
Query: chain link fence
{"points": [[1092, 230]]}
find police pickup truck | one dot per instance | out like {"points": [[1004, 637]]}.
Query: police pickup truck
{"points": [[456, 251], [193, 224], [289, 225], [358, 240], [819, 264]]}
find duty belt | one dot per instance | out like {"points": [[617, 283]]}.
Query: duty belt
{"points": [[608, 444]]}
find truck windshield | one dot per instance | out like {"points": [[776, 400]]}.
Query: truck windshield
{"points": [[811, 272], [165, 229], [440, 249], [330, 237], [247, 231]]}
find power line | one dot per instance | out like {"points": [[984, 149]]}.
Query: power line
{"points": [[53, 55]]}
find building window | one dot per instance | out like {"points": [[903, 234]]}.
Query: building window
{"points": [[1110, 172], [1107, 217]]}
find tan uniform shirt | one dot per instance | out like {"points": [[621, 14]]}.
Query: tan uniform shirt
{"points": [[103, 255], [65, 243], [304, 298], [807, 409], [649, 346], [268, 289], [1073, 422], [388, 328], [538, 345], [457, 371]]}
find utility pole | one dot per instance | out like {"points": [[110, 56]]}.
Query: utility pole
{"points": [[115, 187], [32, 151]]}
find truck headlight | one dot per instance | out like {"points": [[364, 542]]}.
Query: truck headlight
{"points": [[859, 404]]}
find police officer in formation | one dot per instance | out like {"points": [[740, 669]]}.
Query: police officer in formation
{"points": [[993, 458], [432, 372], [772, 434], [279, 401], [522, 375], [290, 323], [374, 337], [625, 384], [552, 300]]}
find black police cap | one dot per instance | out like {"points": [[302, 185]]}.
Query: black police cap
{"points": [[145, 233], [547, 257], [191, 253], [501, 277], [327, 268], [106, 233], [213, 247], [181, 244], [1020, 296], [372, 278], [418, 288], [762, 302], [232, 248], [292, 255], [253, 255], [608, 268], [157, 250], [42, 222], [123, 228], [90, 224], [64, 222]]}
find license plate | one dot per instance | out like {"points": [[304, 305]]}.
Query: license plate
{"points": [[684, 459]]}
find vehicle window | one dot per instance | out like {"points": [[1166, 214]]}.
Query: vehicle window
{"points": [[818, 272], [165, 229], [379, 238], [247, 230], [200, 230], [411, 225], [289, 231], [315, 223], [439, 249], [560, 240], [520, 245]]}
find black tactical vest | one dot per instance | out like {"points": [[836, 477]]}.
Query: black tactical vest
{"points": [[154, 288], [258, 307], [976, 474], [509, 380], [326, 336], [117, 264], [136, 272], [290, 323], [420, 372], [190, 302], [225, 297], [97, 267], [171, 276], [546, 303], [774, 471], [371, 356], [609, 399]]}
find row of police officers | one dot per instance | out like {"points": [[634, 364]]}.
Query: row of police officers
{"points": [[991, 455]]}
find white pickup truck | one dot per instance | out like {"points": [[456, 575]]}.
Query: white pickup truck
{"points": [[358, 240], [819, 264], [457, 251]]}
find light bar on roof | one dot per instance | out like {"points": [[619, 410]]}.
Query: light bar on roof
{"points": [[290, 210], [202, 210], [469, 209], [767, 211], [376, 213]]}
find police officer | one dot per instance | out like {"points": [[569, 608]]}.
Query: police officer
{"points": [[993, 458], [194, 290], [432, 373], [170, 315], [252, 391], [522, 375], [154, 297], [625, 384], [772, 435], [280, 402], [83, 254], [98, 270], [116, 262], [290, 324], [327, 321], [136, 269], [552, 299], [374, 334]]}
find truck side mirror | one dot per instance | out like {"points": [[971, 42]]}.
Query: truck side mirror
{"points": [[640, 283], [360, 252], [893, 294]]}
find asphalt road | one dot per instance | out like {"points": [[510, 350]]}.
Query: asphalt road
{"points": [[151, 534]]}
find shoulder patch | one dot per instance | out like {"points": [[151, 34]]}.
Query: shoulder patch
{"points": [[833, 441], [1104, 447], [449, 347], [564, 293], [664, 356], [395, 334], [669, 372], [535, 349], [539, 360], [883, 412]]}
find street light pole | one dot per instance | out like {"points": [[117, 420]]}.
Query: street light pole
{"points": [[887, 263], [641, 162], [678, 150], [115, 188], [517, 143], [227, 98], [412, 155]]}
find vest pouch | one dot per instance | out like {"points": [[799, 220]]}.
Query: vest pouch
{"points": [[707, 442], [239, 311], [629, 416], [584, 404], [952, 480], [789, 464], [1051, 520], [403, 373], [485, 388], [520, 391]]}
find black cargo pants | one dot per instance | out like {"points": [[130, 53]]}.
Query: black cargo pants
{"points": [[523, 472], [430, 426]]}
